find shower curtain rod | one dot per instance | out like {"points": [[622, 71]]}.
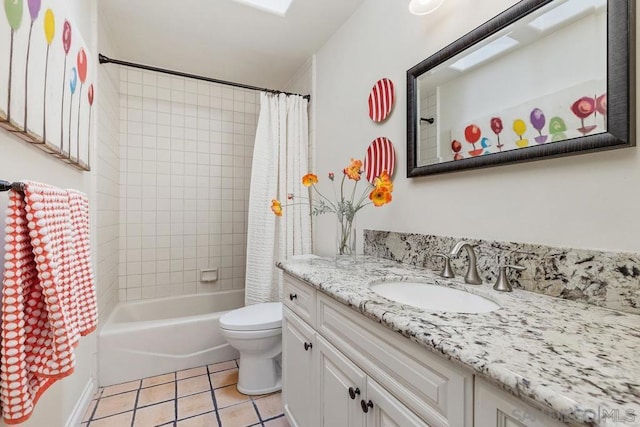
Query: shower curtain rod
{"points": [[15, 186], [106, 60]]}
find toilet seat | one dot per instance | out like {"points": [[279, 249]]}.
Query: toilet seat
{"points": [[256, 317]]}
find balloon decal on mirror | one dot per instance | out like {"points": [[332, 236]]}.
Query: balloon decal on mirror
{"points": [[538, 120], [583, 108]]}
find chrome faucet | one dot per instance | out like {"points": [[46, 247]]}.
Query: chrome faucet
{"points": [[472, 277]]}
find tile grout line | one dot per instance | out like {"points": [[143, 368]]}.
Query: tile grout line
{"points": [[213, 396], [135, 404], [175, 399], [255, 407]]}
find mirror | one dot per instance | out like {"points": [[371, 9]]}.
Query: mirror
{"points": [[543, 78]]}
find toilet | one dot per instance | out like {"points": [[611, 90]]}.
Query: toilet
{"points": [[256, 332]]}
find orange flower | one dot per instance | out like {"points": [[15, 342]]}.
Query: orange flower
{"points": [[353, 170], [276, 207], [309, 179], [383, 182], [380, 197]]}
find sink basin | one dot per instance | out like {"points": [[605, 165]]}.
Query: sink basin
{"points": [[434, 297]]}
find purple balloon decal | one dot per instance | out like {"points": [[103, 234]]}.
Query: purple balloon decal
{"points": [[34, 8], [538, 120]]}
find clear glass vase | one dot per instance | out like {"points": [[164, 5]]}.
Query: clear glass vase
{"points": [[345, 241]]}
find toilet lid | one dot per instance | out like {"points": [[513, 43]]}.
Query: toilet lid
{"points": [[255, 317]]}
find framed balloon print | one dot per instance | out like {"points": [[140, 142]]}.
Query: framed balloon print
{"points": [[46, 80]]}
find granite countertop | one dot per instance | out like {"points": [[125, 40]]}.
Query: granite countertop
{"points": [[570, 359]]}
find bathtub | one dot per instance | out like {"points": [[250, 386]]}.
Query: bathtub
{"points": [[146, 338]]}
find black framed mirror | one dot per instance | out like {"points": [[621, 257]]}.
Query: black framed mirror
{"points": [[545, 78]]}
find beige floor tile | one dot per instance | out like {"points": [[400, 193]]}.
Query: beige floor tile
{"points": [[115, 404], [231, 364], [156, 394], [89, 411], [278, 422], [195, 405], [228, 396], [160, 379], [154, 415], [206, 420], [194, 372], [114, 421], [120, 388], [270, 406], [224, 378], [240, 415], [193, 385]]}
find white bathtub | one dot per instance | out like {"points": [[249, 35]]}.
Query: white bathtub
{"points": [[146, 338]]}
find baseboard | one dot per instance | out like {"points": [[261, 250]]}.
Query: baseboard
{"points": [[75, 418]]}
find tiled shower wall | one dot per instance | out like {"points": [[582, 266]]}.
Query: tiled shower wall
{"points": [[107, 173], [186, 152]]}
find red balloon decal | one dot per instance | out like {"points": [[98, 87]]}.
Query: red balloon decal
{"points": [[66, 37], [472, 134], [456, 146], [82, 65], [90, 94], [584, 107]]}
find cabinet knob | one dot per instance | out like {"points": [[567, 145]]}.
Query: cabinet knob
{"points": [[308, 346], [353, 392], [293, 296], [366, 405]]}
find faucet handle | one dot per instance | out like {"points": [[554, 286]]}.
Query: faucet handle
{"points": [[503, 284], [447, 271]]}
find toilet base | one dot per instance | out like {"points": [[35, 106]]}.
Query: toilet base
{"points": [[259, 375]]}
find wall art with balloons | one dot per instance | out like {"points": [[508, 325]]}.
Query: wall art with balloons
{"points": [[574, 112], [46, 80]]}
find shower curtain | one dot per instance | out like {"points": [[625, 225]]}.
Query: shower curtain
{"points": [[280, 159]]}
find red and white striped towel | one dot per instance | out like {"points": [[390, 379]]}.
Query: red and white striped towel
{"points": [[48, 295]]}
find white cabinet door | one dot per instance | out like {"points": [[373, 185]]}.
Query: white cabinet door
{"points": [[384, 410], [342, 385], [299, 382], [496, 408]]}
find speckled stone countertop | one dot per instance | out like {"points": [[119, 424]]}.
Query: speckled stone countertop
{"points": [[570, 359]]}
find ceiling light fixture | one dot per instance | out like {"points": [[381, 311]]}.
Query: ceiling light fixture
{"points": [[424, 7]]}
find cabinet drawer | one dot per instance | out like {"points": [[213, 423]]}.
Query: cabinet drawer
{"points": [[300, 298], [435, 390]]}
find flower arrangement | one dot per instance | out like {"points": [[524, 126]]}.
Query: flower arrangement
{"points": [[346, 204]]}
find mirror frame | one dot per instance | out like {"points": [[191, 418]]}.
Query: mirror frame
{"points": [[620, 89]]}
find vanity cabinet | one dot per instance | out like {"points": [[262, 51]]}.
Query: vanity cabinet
{"points": [[342, 369], [495, 408], [298, 371]]}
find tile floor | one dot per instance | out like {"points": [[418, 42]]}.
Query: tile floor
{"points": [[198, 397]]}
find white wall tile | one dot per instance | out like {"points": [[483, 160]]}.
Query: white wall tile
{"points": [[178, 134]]}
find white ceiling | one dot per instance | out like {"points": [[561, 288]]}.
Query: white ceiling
{"points": [[223, 39]]}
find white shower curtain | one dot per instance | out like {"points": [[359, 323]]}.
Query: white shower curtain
{"points": [[280, 159]]}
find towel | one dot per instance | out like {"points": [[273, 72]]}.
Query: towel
{"points": [[48, 295]]}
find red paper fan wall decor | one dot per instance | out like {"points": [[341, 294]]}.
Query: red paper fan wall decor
{"points": [[381, 100], [381, 156]]}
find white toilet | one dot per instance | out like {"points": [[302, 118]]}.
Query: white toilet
{"points": [[256, 332]]}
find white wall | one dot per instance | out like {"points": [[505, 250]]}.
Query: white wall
{"points": [[186, 152], [19, 160], [584, 201]]}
